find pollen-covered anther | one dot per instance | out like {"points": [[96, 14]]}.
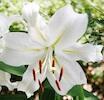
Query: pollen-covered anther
{"points": [[61, 73], [34, 74], [58, 85], [53, 65], [40, 66], [41, 86], [53, 62]]}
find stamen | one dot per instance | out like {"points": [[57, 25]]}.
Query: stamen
{"points": [[58, 85], [53, 63], [61, 74], [41, 86], [40, 66], [34, 75]]}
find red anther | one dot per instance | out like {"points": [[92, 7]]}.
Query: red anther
{"points": [[53, 63], [34, 74], [61, 74], [41, 86], [58, 85], [40, 66]]}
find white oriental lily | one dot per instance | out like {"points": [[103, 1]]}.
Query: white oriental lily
{"points": [[50, 49], [5, 22]]}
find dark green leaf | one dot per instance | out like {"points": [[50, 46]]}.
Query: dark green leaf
{"points": [[12, 69], [77, 92], [89, 96], [48, 94], [12, 97], [58, 97], [80, 94]]}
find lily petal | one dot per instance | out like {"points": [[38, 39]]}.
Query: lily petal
{"points": [[72, 75], [20, 49], [86, 52], [36, 24], [38, 31], [28, 85], [2, 43], [5, 80], [65, 24], [30, 12]]}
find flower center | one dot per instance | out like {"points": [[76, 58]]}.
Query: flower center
{"points": [[55, 68]]}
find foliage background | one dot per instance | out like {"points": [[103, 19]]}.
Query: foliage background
{"points": [[94, 33]]}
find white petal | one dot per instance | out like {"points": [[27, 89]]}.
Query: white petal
{"points": [[67, 26], [20, 49], [39, 30], [86, 52], [2, 44], [72, 75], [28, 84], [20, 40], [30, 12], [36, 24], [5, 80], [3, 24]]}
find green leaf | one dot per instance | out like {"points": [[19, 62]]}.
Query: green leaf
{"points": [[89, 96], [13, 69], [13, 97], [58, 97], [47, 85], [81, 94], [77, 92], [48, 94], [18, 96]]}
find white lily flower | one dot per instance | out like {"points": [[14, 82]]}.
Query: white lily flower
{"points": [[50, 50], [5, 23]]}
